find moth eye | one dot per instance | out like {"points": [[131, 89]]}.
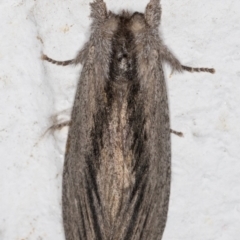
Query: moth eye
{"points": [[125, 55], [119, 59]]}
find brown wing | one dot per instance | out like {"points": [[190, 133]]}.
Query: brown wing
{"points": [[116, 179]]}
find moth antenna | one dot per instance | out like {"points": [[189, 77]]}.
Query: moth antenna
{"points": [[62, 63], [191, 69]]}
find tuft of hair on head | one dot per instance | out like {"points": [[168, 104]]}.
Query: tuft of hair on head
{"points": [[153, 13], [98, 10]]}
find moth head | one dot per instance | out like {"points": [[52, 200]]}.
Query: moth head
{"points": [[138, 22], [153, 13], [150, 19]]}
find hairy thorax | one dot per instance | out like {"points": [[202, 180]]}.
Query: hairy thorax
{"points": [[116, 155]]}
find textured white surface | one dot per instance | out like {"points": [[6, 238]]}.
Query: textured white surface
{"points": [[205, 197]]}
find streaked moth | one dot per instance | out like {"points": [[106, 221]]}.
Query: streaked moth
{"points": [[117, 169]]}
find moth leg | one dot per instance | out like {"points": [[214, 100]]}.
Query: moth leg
{"points": [[180, 134], [62, 63], [191, 69], [59, 126]]}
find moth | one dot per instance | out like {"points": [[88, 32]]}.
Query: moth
{"points": [[117, 169]]}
